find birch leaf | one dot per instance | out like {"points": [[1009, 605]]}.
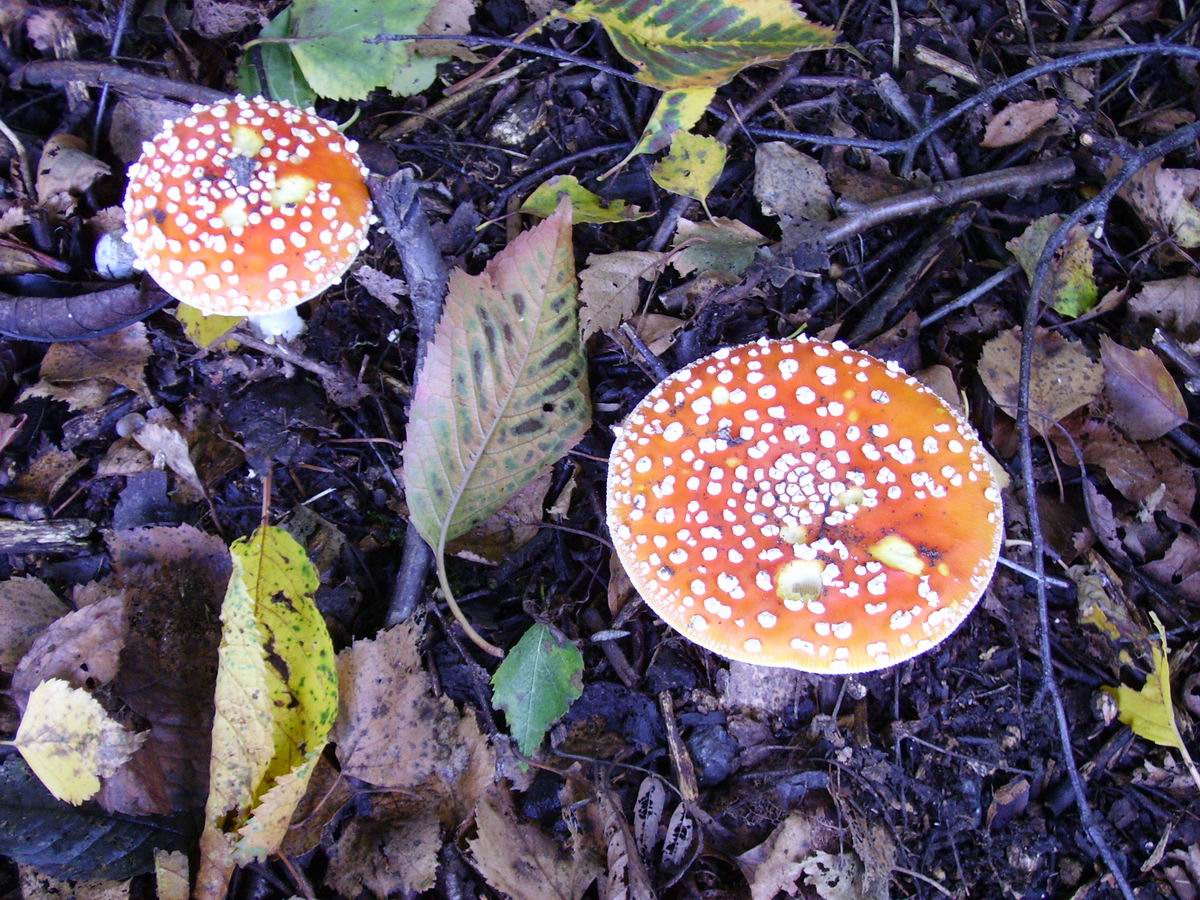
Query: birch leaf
{"points": [[677, 111], [502, 392], [693, 43], [276, 699], [608, 293], [1072, 284], [70, 742], [537, 683], [692, 167], [586, 206]]}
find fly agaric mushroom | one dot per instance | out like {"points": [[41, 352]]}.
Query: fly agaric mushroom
{"points": [[798, 503], [247, 207]]}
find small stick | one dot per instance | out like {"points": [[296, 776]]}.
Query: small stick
{"points": [[58, 72]]}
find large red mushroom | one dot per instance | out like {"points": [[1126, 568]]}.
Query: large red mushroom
{"points": [[798, 503], [247, 207]]}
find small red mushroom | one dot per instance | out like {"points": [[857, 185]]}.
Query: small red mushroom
{"points": [[247, 207], [797, 503]]}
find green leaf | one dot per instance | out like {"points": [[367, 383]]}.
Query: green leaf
{"points": [[722, 245], [1149, 712], [537, 683], [1072, 283], [677, 111], [276, 700], [70, 742], [695, 43], [285, 81], [83, 842], [586, 207], [692, 167], [503, 389], [336, 59]]}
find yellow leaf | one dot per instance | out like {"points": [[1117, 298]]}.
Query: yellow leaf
{"points": [[677, 111], [203, 330], [276, 699], [70, 742], [1149, 712], [692, 167], [171, 875], [586, 206]]}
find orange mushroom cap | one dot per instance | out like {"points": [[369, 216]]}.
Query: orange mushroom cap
{"points": [[247, 207], [798, 503]]}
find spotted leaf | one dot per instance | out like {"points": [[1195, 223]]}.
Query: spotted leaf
{"points": [[694, 43], [692, 167], [276, 700], [586, 206], [677, 111], [503, 389]]}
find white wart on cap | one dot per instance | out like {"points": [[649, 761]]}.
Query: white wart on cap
{"points": [[797, 503]]}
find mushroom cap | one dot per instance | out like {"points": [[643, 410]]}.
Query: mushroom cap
{"points": [[797, 503], [247, 207]]}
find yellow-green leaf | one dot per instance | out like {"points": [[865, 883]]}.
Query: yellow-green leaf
{"points": [[502, 391], [692, 167], [693, 43], [586, 206], [721, 245], [204, 331], [1072, 285], [70, 742], [677, 111], [1149, 712], [276, 700]]}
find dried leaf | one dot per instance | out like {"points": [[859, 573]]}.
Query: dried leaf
{"points": [[1072, 284], [537, 683], [83, 647], [1064, 376], [1173, 303], [503, 389], [515, 857], [387, 855], [690, 43], [47, 474], [171, 875], [648, 813], [27, 608], [82, 374], [159, 434], [70, 742], [276, 699], [77, 317], [1165, 200], [777, 865], [609, 287], [692, 167], [1180, 567], [723, 245], [394, 732], [513, 526], [586, 206], [1017, 121], [627, 875], [66, 168], [1145, 401], [790, 184]]}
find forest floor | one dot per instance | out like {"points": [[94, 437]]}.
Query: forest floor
{"points": [[135, 452]]}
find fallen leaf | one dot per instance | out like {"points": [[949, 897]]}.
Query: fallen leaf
{"points": [[1072, 284], [537, 683], [276, 700], [777, 865], [1179, 567], [66, 169], [705, 43], [627, 873], [609, 287], [205, 331], [159, 434], [37, 885], [586, 206], [1172, 303], [692, 167], [1149, 712], [48, 473], [393, 732], [387, 853], [1145, 400], [791, 185], [27, 608], [677, 111], [83, 373], [722, 245], [1064, 376], [516, 858], [657, 330], [1141, 472], [171, 875], [321, 804], [512, 526], [70, 742], [1017, 121], [83, 648], [502, 391], [1165, 201]]}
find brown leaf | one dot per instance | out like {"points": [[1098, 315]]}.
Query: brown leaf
{"points": [[627, 875], [1180, 567], [83, 373], [512, 526], [609, 285], [47, 474], [1064, 376], [393, 732], [1017, 121], [82, 648], [66, 168], [393, 851], [517, 858], [28, 607], [776, 865], [1164, 200], [790, 184], [1145, 401], [160, 435], [323, 799], [1144, 474], [1173, 303]]}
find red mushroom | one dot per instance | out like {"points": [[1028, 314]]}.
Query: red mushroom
{"points": [[247, 207], [798, 503]]}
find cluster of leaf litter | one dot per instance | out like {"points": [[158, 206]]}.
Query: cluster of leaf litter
{"points": [[948, 769]]}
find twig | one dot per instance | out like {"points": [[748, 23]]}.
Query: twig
{"points": [[653, 363], [965, 300], [399, 205], [1016, 180], [446, 105], [58, 72], [1096, 208], [114, 48], [1178, 354]]}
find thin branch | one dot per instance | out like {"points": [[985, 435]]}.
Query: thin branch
{"points": [[1095, 208], [58, 72]]}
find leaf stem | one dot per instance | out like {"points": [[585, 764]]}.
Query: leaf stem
{"points": [[476, 638]]}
